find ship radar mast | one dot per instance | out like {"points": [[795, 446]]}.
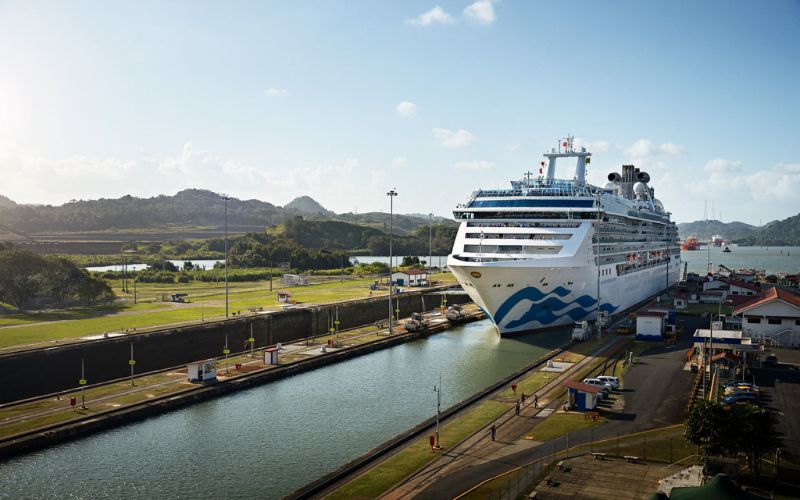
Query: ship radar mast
{"points": [[566, 149]]}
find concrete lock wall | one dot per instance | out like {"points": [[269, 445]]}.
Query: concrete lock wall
{"points": [[44, 371]]}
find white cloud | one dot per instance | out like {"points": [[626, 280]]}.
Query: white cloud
{"points": [[436, 15], [592, 146], [474, 165], [720, 165], [671, 149], [407, 109], [643, 151], [481, 12], [274, 92], [400, 162], [453, 140]]}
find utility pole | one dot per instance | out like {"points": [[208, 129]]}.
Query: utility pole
{"points": [[391, 194], [82, 383], [225, 198], [132, 362]]}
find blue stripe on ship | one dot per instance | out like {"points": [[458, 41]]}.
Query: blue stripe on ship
{"points": [[545, 306]]}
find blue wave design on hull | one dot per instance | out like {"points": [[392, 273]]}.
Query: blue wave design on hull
{"points": [[545, 306]]}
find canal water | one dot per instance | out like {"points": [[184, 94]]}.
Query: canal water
{"points": [[772, 260], [270, 440]]}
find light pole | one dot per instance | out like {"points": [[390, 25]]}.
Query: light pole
{"points": [[391, 194], [438, 391], [430, 248], [710, 355], [480, 248], [225, 198]]}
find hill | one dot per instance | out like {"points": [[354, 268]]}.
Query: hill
{"points": [[775, 233], [307, 205], [705, 229], [178, 215], [6, 202]]}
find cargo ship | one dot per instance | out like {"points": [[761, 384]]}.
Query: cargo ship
{"points": [[691, 243], [551, 251]]}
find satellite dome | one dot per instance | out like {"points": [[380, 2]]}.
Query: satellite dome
{"points": [[639, 188]]}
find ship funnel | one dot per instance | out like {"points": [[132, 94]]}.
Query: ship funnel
{"points": [[614, 177], [643, 177]]}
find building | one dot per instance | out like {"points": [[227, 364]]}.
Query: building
{"points": [[202, 371], [582, 396], [650, 325], [773, 317], [410, 277]]}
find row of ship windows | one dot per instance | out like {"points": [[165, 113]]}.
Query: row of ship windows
{"points": [[514, 236], [510, 249], [521, 224]]}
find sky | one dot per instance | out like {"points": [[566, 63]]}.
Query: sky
{"points": [[344, 100]]}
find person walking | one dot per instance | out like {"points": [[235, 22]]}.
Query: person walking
{"points": [[535, 400], [516, 408], [523, 398], [494, 431]]}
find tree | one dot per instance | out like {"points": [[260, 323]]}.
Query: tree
{"points": [[733, 429], [90, 290], [410, 260], [20, 276], [60, 279]]}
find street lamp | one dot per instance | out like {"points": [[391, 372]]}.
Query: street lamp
{"points": [[225, 198], [430, 247], [391, 194]]}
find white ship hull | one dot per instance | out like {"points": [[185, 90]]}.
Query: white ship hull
{"points": [[521, 297]]}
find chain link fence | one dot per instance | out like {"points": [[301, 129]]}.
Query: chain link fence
{"points": [[666, 445]]}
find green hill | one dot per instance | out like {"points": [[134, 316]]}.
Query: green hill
{"points": [[705, 229]]}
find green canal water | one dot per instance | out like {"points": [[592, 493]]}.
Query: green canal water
{"points": [[270, 440]]}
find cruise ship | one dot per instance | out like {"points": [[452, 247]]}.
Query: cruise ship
{"points": [[551, 251]]}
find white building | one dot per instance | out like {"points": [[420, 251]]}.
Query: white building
{"points": [[410, 277], [773, 317], [650, 325]]}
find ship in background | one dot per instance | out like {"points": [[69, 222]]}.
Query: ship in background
{"points": [[690, 243], [550, 252], [717, 240]]}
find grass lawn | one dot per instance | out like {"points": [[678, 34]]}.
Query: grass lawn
{"points": [[559, 424], [394, 469], [206, 301]]}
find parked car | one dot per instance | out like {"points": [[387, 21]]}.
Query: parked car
{"points": [[609, 379], [741, 390], [771, 360], [740, 397], [599, 383]]}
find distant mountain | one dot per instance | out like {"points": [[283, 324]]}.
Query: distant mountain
{"points": [[7, 202], [775, 233], [705, 229], [187, 209], [307, 205]]}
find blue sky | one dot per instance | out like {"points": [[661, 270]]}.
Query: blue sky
{"points": [[343, 100]]}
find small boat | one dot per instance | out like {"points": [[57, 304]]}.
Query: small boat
{"points": [[727, 250]]}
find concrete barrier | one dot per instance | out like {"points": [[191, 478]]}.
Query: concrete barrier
{"points": [[38, 372]]}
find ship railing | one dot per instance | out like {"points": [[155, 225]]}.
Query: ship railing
{"points": [[540, 187]]}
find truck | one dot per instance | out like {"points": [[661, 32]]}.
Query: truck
{"points": [[582, 331]]}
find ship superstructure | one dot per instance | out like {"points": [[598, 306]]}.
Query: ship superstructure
{"points": [[551, 251]]}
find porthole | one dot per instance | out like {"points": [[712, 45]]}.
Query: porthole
{"points": [[475, 274]]}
